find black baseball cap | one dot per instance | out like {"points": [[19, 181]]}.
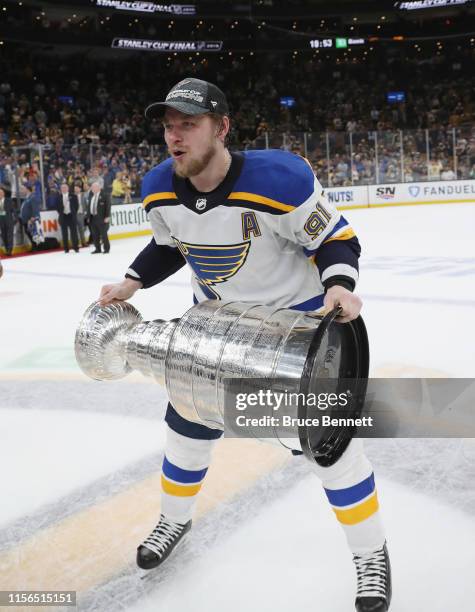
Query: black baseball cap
{"points": [[192, 97]]}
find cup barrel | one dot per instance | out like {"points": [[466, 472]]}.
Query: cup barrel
{"points": [[215, 342]]}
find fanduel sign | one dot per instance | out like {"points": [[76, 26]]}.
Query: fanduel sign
{"points": [[132, 44], [148, 7]]}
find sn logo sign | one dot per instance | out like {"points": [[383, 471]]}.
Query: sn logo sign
{"points": [[386, 193]]}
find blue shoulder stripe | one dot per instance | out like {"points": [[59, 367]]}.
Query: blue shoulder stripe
{"points": [[158, 180], [275, 176]]}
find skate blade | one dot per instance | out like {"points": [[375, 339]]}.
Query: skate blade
{"points": [[143, 574]]}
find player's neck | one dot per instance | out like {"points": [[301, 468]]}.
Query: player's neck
{"points": [[214, 173]]}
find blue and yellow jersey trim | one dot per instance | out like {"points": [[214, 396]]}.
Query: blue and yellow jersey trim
{"points": [[255, 201], [164, 197], [272, 181], [341, 232], [237, 198], [344, 234], [157, 186], [279, 181]]}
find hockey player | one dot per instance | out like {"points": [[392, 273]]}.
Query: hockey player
{"points": [[256, 227]]}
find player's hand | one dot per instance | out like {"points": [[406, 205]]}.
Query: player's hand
{"points": [[118, 291], [350, 303]]}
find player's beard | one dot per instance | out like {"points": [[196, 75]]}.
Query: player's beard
{"points": [[195, 166]]}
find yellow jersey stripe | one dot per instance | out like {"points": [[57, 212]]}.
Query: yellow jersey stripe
{"points": [[359, 513], [258, 199], [173, 488], [346, 234], [162, 195]]}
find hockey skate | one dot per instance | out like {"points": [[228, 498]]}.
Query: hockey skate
{"points": [[374, 581], [161, 543]]}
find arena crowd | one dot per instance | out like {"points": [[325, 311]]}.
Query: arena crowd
{"points": [[88, 116]]}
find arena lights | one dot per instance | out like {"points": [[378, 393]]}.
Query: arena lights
{"points": [[148, 7], [134, 44], [414, 5]]}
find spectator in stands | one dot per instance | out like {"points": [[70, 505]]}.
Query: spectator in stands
{"points": [[102, 127], [118, 189], [127, 186], [52, 197], [447, 174], [95, 177]]}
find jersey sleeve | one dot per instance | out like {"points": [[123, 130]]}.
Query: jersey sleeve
{"points": [[155, 263], [160, 258], [323, 233], [155, 185]]}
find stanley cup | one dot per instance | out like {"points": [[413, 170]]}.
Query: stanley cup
{"points": [[215, 342]]}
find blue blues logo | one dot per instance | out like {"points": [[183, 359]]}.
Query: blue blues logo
{"points": [[414, 190], [214, 264]]}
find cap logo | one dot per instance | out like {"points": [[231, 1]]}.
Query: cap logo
{"points": [[214, 103], [201, 203], [189, 94]]}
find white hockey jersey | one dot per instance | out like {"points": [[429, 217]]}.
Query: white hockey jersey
{"points": [[255, 237]]}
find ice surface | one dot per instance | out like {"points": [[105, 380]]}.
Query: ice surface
{"points": [[293, 556]]}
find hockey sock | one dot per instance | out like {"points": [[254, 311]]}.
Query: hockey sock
{"points": [[184, 468], [350, 489]]}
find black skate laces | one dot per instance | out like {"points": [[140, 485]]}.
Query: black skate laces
{"points": [[371, 574], [164, 534]]}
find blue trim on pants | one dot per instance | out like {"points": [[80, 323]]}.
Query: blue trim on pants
{"points": [[351, 495], [173, 472], [189, 429]]}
